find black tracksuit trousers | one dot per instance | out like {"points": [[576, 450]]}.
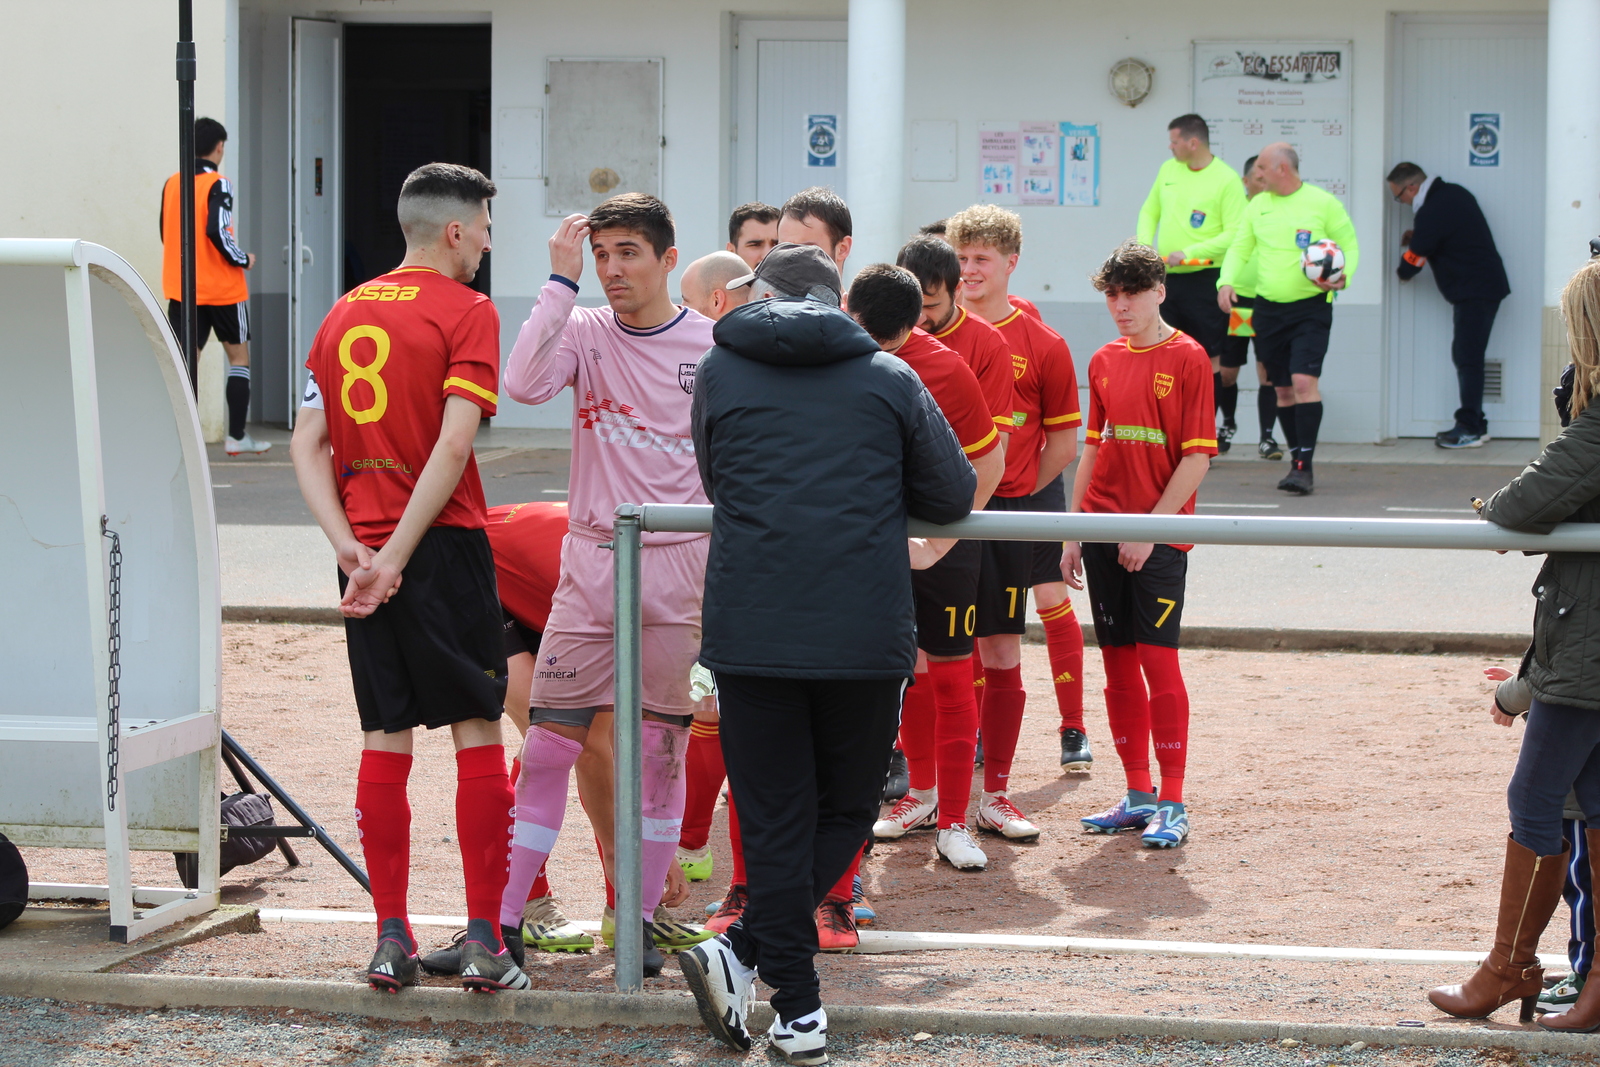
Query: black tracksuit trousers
{"points": [[806, 760]]}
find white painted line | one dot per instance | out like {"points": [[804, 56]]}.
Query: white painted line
{"points": [[1437, 511], [874, 941], [1264, 507], [554, 492]]}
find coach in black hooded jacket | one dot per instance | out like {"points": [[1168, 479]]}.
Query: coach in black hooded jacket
{"points": [[815, 447]]}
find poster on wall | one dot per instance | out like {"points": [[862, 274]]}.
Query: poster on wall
{"points": [[1054, 164], [1255, 93], [1483, 138], [822, 140]]}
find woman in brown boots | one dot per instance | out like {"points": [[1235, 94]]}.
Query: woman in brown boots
{"points": [[1561, 747]]}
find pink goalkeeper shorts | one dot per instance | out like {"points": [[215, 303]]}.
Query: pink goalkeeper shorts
{"points": [[574, 667]]}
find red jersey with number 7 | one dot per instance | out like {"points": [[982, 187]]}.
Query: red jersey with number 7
{"points": [[381, 366], [1148, 408]]}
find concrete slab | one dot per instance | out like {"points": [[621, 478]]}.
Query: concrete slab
{"points": [[73, 939]]}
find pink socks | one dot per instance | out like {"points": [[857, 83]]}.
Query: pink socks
{"points": [[663, 788], [541, 793]]}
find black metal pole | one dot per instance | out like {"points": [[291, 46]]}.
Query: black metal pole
{"points": [[296, 811], [186, 170]]}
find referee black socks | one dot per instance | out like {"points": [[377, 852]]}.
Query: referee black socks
{"points": [[1228, 402], [1308, 420], [1267, 409], [1291, 432]]}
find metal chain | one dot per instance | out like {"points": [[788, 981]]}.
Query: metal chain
{"points": [[114, 670]]}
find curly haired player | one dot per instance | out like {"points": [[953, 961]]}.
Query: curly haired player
{"points": [[1150, 443]]}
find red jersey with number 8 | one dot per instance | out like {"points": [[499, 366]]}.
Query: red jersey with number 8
{"points": [[383, 362]]}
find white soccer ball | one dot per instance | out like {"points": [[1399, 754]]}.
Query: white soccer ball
{"points": [[1323, 262]]}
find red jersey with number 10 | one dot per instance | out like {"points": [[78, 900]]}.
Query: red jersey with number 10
{"points": [[985, 350], [1148, 408], [1046, 390], [955, 389], [384, 360]]}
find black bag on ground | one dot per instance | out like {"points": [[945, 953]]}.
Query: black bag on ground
{"points": [[13, 882], [239, 811]]}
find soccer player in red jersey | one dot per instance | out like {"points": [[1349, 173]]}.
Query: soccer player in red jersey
{"points": [[983, 347], [410, 362], [939, 716], [988, 241], [1151, 436]]}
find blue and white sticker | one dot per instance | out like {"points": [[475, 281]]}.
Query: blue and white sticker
{"points": [[822, 140], [1302, 239], [1483, 139]]}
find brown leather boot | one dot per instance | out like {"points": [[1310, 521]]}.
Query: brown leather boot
{"points": [[1584, 1016], [1530, 889]]}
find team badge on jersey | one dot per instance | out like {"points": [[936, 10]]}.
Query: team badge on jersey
{"points": [[1197, 219], [686, 377], [1302, 239], [1019, 365], [1163, 386]]}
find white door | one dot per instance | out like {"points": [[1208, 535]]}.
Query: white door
{"points": [[315, 274], [1448, 68], [789, 115]]}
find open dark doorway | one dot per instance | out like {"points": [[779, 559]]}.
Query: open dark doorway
{"points": [[412, 95]]}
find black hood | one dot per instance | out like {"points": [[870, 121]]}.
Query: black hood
{"points": [[792, 333]]}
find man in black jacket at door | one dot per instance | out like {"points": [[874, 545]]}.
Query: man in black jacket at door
{"points": [[815, 447], [1450, 232]]}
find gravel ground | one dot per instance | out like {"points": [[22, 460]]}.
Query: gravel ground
{"points": [[1348, 800], [37, 1032]]}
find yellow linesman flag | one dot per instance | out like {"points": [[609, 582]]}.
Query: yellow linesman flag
{"points": [[1239, 324]]}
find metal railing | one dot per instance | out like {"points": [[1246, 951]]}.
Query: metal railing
{"points": [[633, 519]]}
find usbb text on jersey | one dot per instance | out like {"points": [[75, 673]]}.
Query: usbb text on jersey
{"points": [[385, 293]]}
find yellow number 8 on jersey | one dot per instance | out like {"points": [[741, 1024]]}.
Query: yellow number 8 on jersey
{"points": [[355, 372]]}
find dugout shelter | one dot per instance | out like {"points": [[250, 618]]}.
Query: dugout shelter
{"points": [[110, 637]]}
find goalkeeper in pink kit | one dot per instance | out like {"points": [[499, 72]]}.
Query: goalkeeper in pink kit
{"points": [[631, 367]]}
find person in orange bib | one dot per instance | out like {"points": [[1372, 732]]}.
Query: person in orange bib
{"points": [[221, 296]]}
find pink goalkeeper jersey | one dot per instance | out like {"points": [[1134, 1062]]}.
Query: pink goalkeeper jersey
{"points": [[630, 436]]}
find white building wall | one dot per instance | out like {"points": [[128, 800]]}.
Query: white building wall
{"points": [[91, 118], [1023, 59]]}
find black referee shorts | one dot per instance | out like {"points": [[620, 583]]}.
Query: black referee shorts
{"points": [[1011, 568], [434, 655], [1191, 306], [946, 597], [1142, 607], [1236, 350], [230, 321], [1292, 338]]}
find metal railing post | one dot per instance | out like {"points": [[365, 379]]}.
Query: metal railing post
{"points": [[629, 953]]}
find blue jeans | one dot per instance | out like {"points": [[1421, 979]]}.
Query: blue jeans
{"points": [[1579, 894], [1560, 753]]}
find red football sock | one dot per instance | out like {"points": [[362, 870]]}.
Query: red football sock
{"points": [[737, 844], [705, 769], [845, 887], [541, 884], [1128, 714], [1003, 704], [955, 737], [1064, 637], [917, 732], [483, 796], [383, 822], [978, 682], [1169, 716]]}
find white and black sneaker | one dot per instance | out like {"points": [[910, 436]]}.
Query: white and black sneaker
{"points": [[803, 1041], [484, 970], [395, 963], [722, 988]]}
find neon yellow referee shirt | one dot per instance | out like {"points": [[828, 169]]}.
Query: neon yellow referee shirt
{"points": [[1196, 212], [1275, 234]]}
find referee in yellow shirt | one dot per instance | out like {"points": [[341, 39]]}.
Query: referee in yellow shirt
{"points": [[1190, 217], [1293, 315]]}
